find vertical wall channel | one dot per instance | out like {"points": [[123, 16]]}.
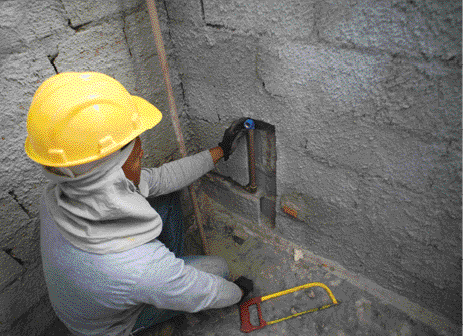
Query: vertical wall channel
{"points": [[265, 157], [229, 184]]}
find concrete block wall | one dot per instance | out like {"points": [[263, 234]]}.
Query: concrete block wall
{"points": [[365, 97], [37, 40]]}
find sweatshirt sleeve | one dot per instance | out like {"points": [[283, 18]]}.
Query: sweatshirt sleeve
{"points": [[170, 284], [175, 175]]}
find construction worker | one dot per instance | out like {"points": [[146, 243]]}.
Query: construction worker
{"points": [[111, 245]]}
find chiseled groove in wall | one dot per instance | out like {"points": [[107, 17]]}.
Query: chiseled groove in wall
{"points": [[203, 13], [168, 27], [183, 94], [198, 118], [165, 8], [260, 79], [125, 36], [78, 27], [9, 251], [8, 284], [52, 58], [15, 197], [219, 26]]}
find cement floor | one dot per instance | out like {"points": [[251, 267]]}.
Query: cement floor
{"points": [[273, 270]]}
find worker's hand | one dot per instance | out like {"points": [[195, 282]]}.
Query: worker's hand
{"points": [[246, 285], [228, 143]]}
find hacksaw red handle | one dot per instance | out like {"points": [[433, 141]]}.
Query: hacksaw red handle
{"points": [[246, 325]]}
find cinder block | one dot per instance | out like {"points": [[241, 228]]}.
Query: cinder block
{"points": [[334, 184], [12, 216], [16, 299], [84, 11], [218, 71], [232, 198], [21, 75], [378, 152], [344, 141], [290, 18], [26, 246], [159, 143], [334, 91], [411, 28], [101, 48], [44, 17], [10, 35], [24, 21], [36, 320], [305, 71], [185, 12], [140, 37], [10, 269]]}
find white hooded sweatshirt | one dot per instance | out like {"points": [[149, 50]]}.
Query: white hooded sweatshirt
{"points": [[101, 259]]}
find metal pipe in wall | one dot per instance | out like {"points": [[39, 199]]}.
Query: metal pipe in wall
{"points": [[250, 126], [173, 109], [252, 187]]}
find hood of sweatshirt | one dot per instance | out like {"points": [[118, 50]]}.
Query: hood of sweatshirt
{"points": [[101, 211]]}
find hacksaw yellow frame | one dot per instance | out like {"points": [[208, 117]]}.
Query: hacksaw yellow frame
{"points": [[295, 289], [246, 325]]}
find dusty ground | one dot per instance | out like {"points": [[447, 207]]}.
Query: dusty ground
{"points": [[274, 270]]}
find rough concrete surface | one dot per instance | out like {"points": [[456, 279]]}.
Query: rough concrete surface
{"points": [[24, 293], [11, 269], [99, 47], [23, 21], [34, 321], [402, 27], [365, 98], [284, 19], [81, 12], [366, 101]]}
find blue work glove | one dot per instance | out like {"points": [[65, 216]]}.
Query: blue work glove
{"points": [[230, 135], [246, 285]]}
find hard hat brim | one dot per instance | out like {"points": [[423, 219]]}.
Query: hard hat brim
{"points": [[149, 114]]}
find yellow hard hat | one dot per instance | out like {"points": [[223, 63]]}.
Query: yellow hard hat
{"points": [[79, 117]]}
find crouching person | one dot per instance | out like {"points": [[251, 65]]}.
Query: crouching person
{"points": [[112, 232]]}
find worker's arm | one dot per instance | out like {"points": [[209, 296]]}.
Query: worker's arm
{"points": [[168, 283], [175, 175], [178, 174]]}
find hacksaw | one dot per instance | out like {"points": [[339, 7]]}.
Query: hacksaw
{"points": [[246, 325]]}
